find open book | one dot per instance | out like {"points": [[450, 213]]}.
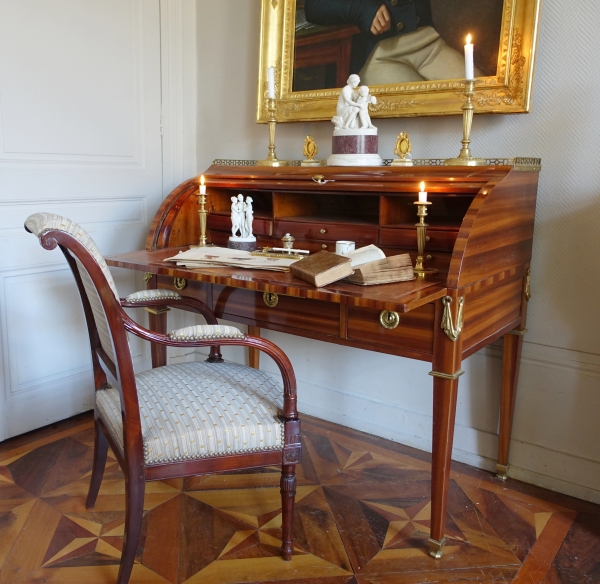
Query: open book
{"points": [[365, 266]]}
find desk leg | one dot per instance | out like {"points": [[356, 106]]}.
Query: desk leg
{"points": [[447, 359], [157, 322], [511, 359], [254, 354]]}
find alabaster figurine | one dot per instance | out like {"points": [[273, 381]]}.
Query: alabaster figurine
{"points": [[242, 216], [355, 141]]}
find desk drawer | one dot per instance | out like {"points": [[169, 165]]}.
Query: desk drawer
{"points": [[363, 234], [295, 313], [415, 331], [439, 240]]}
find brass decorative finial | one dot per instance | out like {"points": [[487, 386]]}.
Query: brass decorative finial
{"points": [[402, 149], [310, 150]]}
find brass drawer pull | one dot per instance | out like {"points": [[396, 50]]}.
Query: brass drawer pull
{"points": [[270, 299], [324, 246], [179, 283], [429, 257], [427, 238], [389, 319], [323, 231]]}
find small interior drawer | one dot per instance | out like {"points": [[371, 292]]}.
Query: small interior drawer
{"points": [[363, 234], [438, 239]]}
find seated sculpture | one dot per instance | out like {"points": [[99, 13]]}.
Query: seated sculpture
{"points": [[352, 106]]}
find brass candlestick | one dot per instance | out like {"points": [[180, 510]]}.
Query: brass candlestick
{"points": [[202, 212], [420, 270], [271, 159], [465, 158]]}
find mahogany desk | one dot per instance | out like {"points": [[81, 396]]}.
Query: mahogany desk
{"points": [[480, 237]]}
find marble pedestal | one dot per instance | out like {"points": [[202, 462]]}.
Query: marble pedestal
{"points": [[355, 148]]}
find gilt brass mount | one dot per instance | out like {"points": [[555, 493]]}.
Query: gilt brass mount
{"points": [[447, 324], [179, 283], [270, 299], [389, 319], [436, 548], [502, 471]]}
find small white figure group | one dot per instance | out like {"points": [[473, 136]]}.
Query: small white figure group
{"points": [[241, 216]]}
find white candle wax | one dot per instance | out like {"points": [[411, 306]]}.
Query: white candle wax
{"points": [[422, 194], [202, 186], [469, 69], [271, 82]]}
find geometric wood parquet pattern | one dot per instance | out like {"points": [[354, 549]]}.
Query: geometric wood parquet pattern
{"points": [[362, 517]]}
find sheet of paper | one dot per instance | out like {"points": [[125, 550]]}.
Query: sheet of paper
{"points": [[214, 257], [363, 255]]}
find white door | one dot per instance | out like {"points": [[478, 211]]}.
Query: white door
{"points": [[80, 110]]}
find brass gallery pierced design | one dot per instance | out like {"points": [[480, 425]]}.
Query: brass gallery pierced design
{"points": [[389, 319], [447, 322], [270, 299], [508, 90], [179, 283]]}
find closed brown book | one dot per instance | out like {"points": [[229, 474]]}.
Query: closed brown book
{"points": [[396, 268], [322, 268]]}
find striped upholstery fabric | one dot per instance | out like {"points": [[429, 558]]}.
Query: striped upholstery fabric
{"points": [[206, 332], [143, 295], [198, 410]]}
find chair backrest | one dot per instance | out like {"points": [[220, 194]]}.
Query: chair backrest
{"points": [[96, 286]]}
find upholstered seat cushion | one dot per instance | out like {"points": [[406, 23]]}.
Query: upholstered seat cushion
{"points": [[198, 410]]}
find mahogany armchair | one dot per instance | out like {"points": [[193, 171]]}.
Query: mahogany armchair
{"points": [[178, 420]]}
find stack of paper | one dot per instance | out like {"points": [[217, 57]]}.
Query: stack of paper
{"points": [[215, 257]]}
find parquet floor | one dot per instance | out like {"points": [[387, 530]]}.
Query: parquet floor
{"points": [[362, 518]]}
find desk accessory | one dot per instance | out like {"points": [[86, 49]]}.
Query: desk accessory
{"points": [[420, 270], [355, 141], [309, 151], [271, 159], [402, 150], [344, 246], [242, 216], [465, 158], [203, 213]]}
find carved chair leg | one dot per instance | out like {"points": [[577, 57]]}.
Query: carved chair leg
{"points": [[100, 452], [134, 507], [288, 497]]}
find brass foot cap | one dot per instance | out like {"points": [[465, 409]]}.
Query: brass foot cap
{"points": [[436, 548], [502, 471]]}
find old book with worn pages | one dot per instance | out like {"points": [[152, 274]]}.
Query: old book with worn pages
{"points": [[396, 268], [322, 268]]}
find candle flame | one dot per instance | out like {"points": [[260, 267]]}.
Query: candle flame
{"points": [[468, 39], [422, 186], [202, 180]]}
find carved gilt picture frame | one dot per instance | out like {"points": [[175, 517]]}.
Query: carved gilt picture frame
{"points": [[504, 82]]}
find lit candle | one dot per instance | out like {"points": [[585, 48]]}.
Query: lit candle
{"points": [[202, 186], [271, 82], [469, 59], [422, 193]]}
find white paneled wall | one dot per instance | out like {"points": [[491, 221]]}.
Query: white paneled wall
{"points": [[556, 434]]}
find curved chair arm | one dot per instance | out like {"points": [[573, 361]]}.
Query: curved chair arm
{"points": [[162, 297], [206, 335]]}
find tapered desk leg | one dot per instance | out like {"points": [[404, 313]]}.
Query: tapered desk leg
{"points": [[254, 354], [447, 358], [511, 359]]}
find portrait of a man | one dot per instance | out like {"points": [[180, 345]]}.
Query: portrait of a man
{"points": [[392, 41]]}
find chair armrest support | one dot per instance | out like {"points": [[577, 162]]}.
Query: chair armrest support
{"points": [[162, 297]]}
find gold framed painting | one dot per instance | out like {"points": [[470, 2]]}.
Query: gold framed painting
{"points": [[409, 53]]}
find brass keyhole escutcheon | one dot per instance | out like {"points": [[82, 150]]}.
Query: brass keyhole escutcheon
{"points": [[389, 319], [270, 299], [179, 283]]}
